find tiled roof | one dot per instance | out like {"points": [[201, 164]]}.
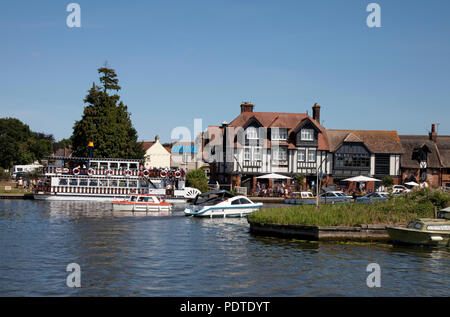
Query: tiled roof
{"points": [[440, 151], [281, 120], [147, 145], [383, 142]]}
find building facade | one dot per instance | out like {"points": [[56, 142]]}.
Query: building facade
{"points": [[156, 155], [258, 143], [426, 158]]}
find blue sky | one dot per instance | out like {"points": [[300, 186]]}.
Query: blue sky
{"points": [[180, 60]]}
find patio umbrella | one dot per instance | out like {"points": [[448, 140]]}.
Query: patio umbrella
{"points": [[412, 184], [361, 179], [273, 176]]}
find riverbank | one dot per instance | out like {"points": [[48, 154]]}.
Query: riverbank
{"points": [[347, 221], [16, 196]]}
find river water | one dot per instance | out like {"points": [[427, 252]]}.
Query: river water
{"points": [[171, 255]]}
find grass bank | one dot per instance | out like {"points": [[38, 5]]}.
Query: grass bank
{"points": [[401, 209]]}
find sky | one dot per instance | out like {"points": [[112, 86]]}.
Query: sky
{"points": [[181, 60]]}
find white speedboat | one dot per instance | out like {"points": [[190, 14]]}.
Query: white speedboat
{"points": [[221, 203], [143, 203]]}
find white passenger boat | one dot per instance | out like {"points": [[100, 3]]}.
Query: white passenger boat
{"points": [[143, 203], [93, 179], [221, 203]]}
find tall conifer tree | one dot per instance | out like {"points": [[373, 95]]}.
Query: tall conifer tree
{"points": [[106, 122]]}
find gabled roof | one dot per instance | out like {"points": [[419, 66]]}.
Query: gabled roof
{"points": [[382, 142], [439, 156], [289, 121], [147, 145]]}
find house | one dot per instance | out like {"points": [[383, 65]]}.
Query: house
{"points": [[426, 158], [257, 143], [365, 152], [186, 155], [156, 155]]}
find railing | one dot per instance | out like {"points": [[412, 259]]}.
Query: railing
{"points": [[306, 164], [252, 164], [98, 190], [52, 170]]}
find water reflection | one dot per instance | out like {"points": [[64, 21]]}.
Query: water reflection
{"points": [[137, 254]]}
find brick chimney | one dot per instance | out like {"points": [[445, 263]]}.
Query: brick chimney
{"points": [[433, 134], [316, 112], [246, 107]]}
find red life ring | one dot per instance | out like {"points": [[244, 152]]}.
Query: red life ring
{"points": [[91, 171], [76, 171], [177, 174], [127, 173], [163, 174], [108, 172], [146, 173]]}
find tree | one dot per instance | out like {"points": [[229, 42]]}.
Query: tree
{"points": [[106, 122], [197, 179], [20, 145], [387, 182], [299, 179]]}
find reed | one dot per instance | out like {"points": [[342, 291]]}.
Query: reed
{"points": [[396, 210]]}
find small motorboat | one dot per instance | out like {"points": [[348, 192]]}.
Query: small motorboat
{"points": [[300, 198], [143, 203], [424, 231], [221, 203]]}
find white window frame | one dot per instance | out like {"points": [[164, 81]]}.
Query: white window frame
{"points": [[276, 154], [307, 134], [252, 133], [303, 151], [315, 155], [279, 134]]}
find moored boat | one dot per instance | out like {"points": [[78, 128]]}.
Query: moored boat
{"points": [[424, 231], [300, 198], [94, 179], [143, 203], [221, 203]]}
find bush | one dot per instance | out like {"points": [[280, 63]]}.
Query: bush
{"points": [[388, 182], [197, 179]]}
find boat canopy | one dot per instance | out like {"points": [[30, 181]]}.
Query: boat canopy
{"points": [[212, 197], [444, 213]]}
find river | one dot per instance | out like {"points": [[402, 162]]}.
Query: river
{"points": [[171, 255]]}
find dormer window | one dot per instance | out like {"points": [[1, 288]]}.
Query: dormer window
{"points": [[279, 134], [307, 135], [251, 133]]}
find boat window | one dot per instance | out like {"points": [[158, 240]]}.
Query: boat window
{"points": [[140, 199], [330, 195], [93, 182], [133, 166], [122, 183], [418, 225], [133, 198], [113, 183], [93, 164], [62, 182], [245, 201], [103, 182], [236, 202], [411, 225], [104, 165], [132, 184], [124, 166], [83, 182], [73, 182], [113, 165]]}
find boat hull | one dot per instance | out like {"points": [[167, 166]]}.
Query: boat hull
{"points": [[141, 207], [77, 197], [223, 211], [418, 237]]}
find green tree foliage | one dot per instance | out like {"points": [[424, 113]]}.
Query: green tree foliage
{"points": [[299, 179], [388, 182], [19, 145], [197, 179], [106, 122]]}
